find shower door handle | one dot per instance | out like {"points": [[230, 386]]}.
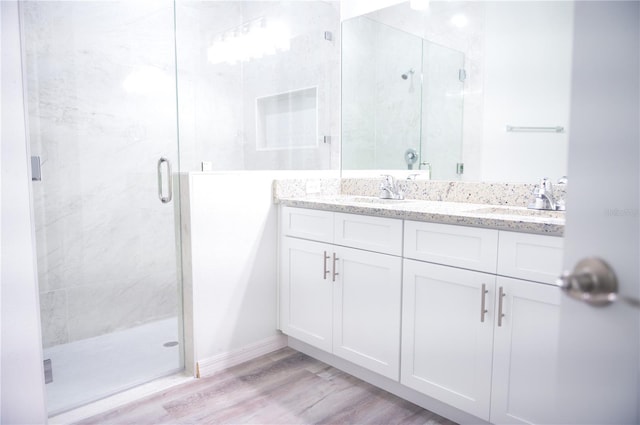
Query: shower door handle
{"points": [[164, 199]]}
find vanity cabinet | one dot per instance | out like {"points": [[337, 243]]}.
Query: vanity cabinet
{"points": [[461, 314], [481, 342], [338, 298]]}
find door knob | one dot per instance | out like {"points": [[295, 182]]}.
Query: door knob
{"points": [[591, 281]]}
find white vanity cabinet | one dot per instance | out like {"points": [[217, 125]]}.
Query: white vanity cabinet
{"points": [[338, 298], [481, 342], [464, 315]]}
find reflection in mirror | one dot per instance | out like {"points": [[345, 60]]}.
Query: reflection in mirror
{"points": [[402, 101], [472, 70]]}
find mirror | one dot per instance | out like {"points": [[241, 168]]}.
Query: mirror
{"points": [[475, 91]]}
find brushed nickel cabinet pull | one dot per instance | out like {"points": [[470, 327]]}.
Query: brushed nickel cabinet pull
{"points": [[335, 273], [326, 272], [483, 309], [501, 295]]}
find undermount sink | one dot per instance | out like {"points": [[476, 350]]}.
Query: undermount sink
{"points": [[519, 211], [372, 200]]}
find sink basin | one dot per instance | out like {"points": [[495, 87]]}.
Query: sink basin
{"points": [[519, 211], [372, 200]]}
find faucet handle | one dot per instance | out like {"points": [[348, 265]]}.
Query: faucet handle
{"points": [[387, 179]]}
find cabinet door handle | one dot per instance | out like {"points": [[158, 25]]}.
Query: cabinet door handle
{"points": [[326, 272], [501, 295], [335, 273], [483, 296]]}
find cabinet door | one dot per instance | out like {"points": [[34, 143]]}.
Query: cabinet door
{"points": [[367, 310], [525, 350], [446, 341], [306, 291]]}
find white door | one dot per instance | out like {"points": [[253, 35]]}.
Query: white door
{"points": [[367, 300], [306, 291], [447, 342], [599, 355]]}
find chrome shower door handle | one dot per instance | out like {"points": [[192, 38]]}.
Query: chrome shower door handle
{"points": [[165, 199]]}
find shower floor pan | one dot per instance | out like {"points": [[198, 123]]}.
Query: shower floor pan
{"points": [[90, 369]]}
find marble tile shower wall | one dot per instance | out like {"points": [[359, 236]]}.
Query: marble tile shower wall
{"points": [[378, 104], [106, 256], [217, 102], [103, 257]]}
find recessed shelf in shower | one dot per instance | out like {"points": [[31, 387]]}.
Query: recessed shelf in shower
{"points": [[287, 120]]}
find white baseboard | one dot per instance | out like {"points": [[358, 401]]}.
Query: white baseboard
{"points": [[217, 363]]}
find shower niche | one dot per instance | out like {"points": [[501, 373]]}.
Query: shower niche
{"points": [[402, 101], [287, 120]]}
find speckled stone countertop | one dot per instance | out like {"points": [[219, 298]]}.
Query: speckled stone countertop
{"points": [[499, 215]]}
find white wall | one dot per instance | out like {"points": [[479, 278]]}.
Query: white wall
{"points": [[229, 239], [351, 8], [22, 378]]}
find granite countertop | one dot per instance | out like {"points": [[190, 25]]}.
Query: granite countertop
{"points": [[502, 217]]}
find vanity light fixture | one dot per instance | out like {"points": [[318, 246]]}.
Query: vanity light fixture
{"points": [[251, 40], [419, 4]]}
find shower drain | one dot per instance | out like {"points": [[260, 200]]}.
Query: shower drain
{"points": [[170, 344]]}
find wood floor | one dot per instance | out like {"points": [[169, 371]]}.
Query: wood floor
{"points": [[285, 387]]}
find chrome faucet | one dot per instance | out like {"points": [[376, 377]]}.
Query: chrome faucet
{"points": [[544, 198], [389, 189]]}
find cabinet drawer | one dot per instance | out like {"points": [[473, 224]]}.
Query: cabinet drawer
{"points": [[371, 233], [307, 224], [466, 247], [531, 257]]}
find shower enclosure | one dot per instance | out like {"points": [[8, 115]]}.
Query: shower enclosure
{"points": [[102, 111], [123, 96]]}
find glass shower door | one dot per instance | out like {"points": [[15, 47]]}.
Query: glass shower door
{"points": [[101, 93]]}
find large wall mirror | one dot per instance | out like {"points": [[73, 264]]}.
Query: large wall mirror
{"points": [[475, 91]]}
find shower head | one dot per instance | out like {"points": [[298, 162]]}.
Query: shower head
{"points": [[406, 75]]}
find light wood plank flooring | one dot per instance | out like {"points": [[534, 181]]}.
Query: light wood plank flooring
{"points": [[285, 387]]}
